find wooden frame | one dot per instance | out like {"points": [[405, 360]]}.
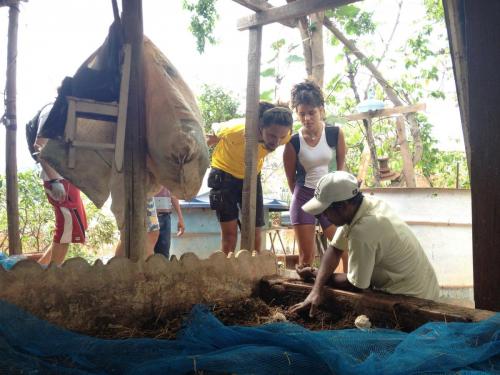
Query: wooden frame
{"points": [[85, 108], [295, 9]]}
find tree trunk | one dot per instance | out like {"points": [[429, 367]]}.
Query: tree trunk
{"points": [[311, 32], [391, 94], [304, 33], [318, 59], [408, 171], [11, 134]]}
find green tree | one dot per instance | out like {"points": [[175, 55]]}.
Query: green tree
{"points": [[217, 105], [203, 18]]}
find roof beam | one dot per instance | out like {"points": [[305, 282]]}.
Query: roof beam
{"points": [[292, 10], [263, 5]]}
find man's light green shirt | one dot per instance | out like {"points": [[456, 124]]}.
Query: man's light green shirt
{"points": [[385, 254]]}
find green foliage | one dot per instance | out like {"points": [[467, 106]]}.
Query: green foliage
{"points": [[353, 19], [434, 10], [203, 18], [277, 66], [216, 105], [440, 167], [36, 217], [267, 96]]}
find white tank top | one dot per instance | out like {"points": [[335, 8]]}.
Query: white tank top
{"points": [[315, 160]]}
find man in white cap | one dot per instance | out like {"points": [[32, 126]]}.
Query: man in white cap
{"points": [[383, 252]]}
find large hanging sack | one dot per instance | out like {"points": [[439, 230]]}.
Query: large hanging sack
{"points": [[176, 141], [177, 152]]}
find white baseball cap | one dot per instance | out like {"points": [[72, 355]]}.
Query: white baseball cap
{"points": [[333, 187]]}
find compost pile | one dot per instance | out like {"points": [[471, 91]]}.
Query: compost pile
{"points": [[246, 312]]}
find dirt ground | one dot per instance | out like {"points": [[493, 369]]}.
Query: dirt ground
{"points": [[247, 312]]}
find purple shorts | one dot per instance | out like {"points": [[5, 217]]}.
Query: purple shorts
{"points": [[301, 195]]}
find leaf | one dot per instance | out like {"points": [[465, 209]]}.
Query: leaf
{"points": [[269, 72], [294, 58], [267, 95], [347, 11]]}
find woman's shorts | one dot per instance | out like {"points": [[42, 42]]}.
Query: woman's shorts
{"points": [[298, 216]]}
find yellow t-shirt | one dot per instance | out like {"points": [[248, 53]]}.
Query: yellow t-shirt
{"points": [[229, 153], [384, 253]]}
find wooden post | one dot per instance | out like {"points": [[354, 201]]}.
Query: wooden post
{"points": [[482, 32], [135, 136], [11, 130], [454, 16], [408, 170], [249, 196]]}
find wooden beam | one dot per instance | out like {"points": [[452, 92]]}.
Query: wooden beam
{"points": [[482, 33], [262, 5], [11, 134], [387, 112], [135, 136], [292, 10], [249, 195], [406, 313]]}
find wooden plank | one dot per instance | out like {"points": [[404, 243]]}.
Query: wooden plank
{"points": [[483, 77], [407, 313], [387, 112], [261, 5], [249, 195], [93, 107], [93, 146], [11, 134], [70, 126], [135, 138], [122, 108], [292, 10]]}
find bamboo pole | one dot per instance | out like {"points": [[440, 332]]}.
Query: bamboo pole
{"points": [[251, 131], [135, 138], [11, 133]]}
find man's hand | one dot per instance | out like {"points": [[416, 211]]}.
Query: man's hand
{"points": [[57, 191], [180, 228], [313, 300]]}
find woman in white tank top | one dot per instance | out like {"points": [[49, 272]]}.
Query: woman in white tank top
{"points": [[313, 152]]}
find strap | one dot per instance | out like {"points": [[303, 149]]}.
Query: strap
{"points": [[332, 135]]}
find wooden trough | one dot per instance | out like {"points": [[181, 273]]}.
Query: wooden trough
{"points": [[92, 298]]}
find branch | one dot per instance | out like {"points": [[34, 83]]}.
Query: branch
{"points": [[386, 48], [388, 89]]}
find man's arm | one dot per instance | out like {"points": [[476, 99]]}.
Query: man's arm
{"points": [[290, 162], [329, 262], [212, 139], [57, 190], [49, 171], [180, 218]]}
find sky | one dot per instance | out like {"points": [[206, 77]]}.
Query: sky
{"points": [[56, 36]]}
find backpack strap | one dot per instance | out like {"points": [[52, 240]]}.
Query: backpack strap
{"points": [[295, 141], [332, 135]]}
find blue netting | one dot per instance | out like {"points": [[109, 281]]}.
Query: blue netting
{"points": [[8, 262], [31, 346]]}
